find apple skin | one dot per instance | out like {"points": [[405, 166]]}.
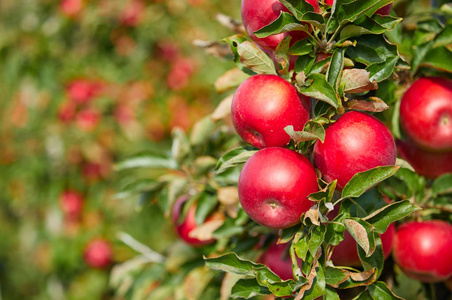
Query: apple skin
{"points": [[98, 253], [357, 142], [426, 163], [426, 113], [422, 250], [184, 228], [71, 203], [259, 13], [277, 258], [262, 106], [274, 185], [346, 252]]}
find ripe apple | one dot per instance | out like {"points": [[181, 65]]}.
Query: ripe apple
{"points": [[185, 227], [274, 185], [87, 119], [71, 203], [384, 11], [426, 113], [132, 13], [262, 106], [98, 253], [277, 258], [422, 250], [83, 90], [71, 8], [346, 252], [424, 162], [357, 142], [259, 13]]}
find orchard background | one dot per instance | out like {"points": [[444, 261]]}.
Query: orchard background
{"points": [[112, 112]]}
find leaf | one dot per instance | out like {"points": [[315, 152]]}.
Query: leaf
{"points": [[248, 288], [180, 149], [312, 131], [316, 239], [206, 203], [223, 109], [326, 194], [300, 48], [377, 24], [321, 89], [372, 104], [375, 261], [234, 41], [357, 81], [362, 232], [202, 131], [383, 217], [297, 8], [154, 161], [230, 262], [284, 23], [363, 181], [335, 69], [442, 185], [438, 58], [255, 59], [381, 71], [335, 276], [229, 80], [304, 64], [233, 158], [349, 12], [371, 49], [379, 290]]}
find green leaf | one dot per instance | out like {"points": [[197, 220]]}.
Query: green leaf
{"points": [[379, 290], [228, 229], [297, 8], [139, 186], [300, 48], [288, 234], [180, 148], [321, 89], [334, 72], [376, 25], [304, 64], [284, 23], [331, 294], [374, 261], [371, 49], [154, 161], [233, 42], [233, 158], [438, 58], [317, 237], [206, 203], [312, 131], [363, 181], [349, 12], [255, 59], [230, 262], [362, 232], [335, 276], [202, 131], [442, 185], [383, 217], [381, 71], [301, 247], [266, 277], [248, 288]]}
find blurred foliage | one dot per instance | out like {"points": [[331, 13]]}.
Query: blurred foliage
{"points": [[84, 84]]}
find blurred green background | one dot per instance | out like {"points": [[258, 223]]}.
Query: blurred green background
{"points": [[82, 85]]}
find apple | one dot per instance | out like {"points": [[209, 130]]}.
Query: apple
{"points": [[185, 227], [356, 142], [263, 105], [277, 258], [426, 113], [132, 13], [274, 185], [71, 8], [426, 163], [384, 11], [83, 90], [87, 119], [260, 13], [98, 253], [422, 250], [71, 203], [346, 252]]}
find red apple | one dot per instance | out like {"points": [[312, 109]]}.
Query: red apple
{"points": [[424, 162], [185, 227], [357, 142], [422, 250], [87, 119], [98, 253], [262, 106], [274, 185], [277, 258], [71, 203], [426, 113], [346, 253], [71, 8], [83, 90], [132, 13], [259, 13]]}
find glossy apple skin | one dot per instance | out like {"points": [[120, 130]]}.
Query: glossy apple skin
{"points": [[262, 106], [273, 187], [259, 13], [186, 226], [426, 113], [357, 142], [71, 203], [426, 163], [346, 253], [422, 250], [277, 258], [384, 11], [98, 253]]}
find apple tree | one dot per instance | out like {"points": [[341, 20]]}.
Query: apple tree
{"points": [[335, 135]]}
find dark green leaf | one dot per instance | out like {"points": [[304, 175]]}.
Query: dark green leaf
{"points": [[438, 58], [285, 22], [230, 262], [371, 49], [389, 214], [363, 181], [351, 11], [304, 64], [379, 290], [442, 185], [248, 288], [297, 8], [320, 89], [381, 71], [334, 72], [300, 48], [233, 158], [374, 261], [335, 276]]}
